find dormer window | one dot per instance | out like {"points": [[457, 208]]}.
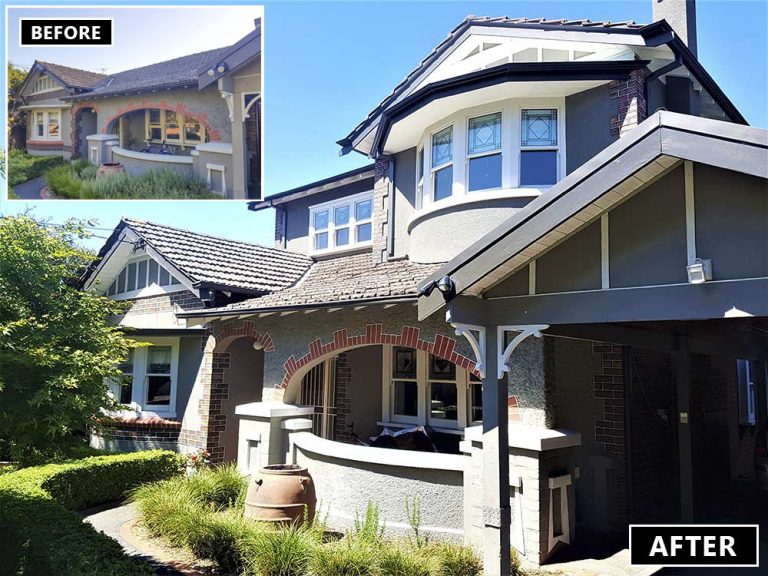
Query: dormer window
{"points": [[442, 163], [344, 224]]}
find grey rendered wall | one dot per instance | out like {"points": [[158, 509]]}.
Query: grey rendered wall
{"points": [[138, 166], [190, 357], [200, 169], [364, 403], [344, 490], [297, 213], [656, 95], [515, 285], [405, 198], [572, 265], [588, 124]]}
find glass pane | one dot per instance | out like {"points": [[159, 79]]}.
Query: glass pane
{"points": [[364, 233], [363, 210], [159, 360], [155, 133], [403, 363], [341, 215], [484, 133], [112, 288], [159, 390], [441, 369], [552, 55], [526, 55], [538, 167], [321, 241], [443, 182], [154, 116], [174, 281], [420, 162], [342, 237], [127, 366], [443, 400], [476, 402], [121, 281], [141, 280], [321, 220], [172, 131], [126, 389], [406, 398], [442, 146], [53, 124], [152, 272], [165, 277], [485, 172], [193, 130], [131, 277], [539, 128]]}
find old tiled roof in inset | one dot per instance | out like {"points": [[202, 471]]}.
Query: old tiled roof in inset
{"points": [[73, 77], [221, 262], [345, 279]]}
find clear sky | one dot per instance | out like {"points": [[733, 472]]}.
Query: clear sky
{"points": [[328, 63]]}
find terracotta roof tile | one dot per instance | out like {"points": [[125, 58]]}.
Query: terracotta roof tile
{"points": [[73, 77]]}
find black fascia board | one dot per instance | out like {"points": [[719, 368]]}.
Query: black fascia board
{"points": [[512, 72], [217, 286]]}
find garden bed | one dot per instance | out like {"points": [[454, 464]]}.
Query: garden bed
{"points": [[77, 180], [23, 167]]}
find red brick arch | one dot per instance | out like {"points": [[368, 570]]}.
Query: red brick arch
{"points": [[232, 331], [202, 117]]}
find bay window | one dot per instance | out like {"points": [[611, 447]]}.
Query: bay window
{"points": [[538, 148], [442, 163], [343, 224], [173, 127], [47, 125], [484, 152]]}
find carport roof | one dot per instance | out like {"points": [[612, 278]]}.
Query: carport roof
{"points": [[655, 145]]}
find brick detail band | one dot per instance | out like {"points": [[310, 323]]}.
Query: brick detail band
{"points": [[443, 347], [247, 329], [202, 117]]}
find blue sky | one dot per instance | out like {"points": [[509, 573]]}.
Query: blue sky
{"points": [[328, 63]]}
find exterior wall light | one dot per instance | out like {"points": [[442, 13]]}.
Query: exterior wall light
{"points": [[445, 285], [211, 72], [258, 346], [700, 271], [221, 68]]}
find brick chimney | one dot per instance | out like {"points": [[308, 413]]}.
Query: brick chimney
{"points": [[681, 15]]}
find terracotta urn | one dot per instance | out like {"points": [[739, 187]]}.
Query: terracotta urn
{"points": [[281, 493], [109, 168]]}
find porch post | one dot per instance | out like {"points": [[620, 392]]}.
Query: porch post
{"points": [[685, 458], [496, 509]]}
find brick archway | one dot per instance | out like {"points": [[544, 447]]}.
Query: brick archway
{"points": [[213, 134]]}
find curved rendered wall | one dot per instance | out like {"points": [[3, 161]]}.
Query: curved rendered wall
{"points": [[441, 234]]}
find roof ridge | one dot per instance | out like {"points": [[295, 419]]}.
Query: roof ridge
{"points": [[44, 63]]}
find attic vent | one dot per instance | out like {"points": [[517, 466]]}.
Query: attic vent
{"points": [[141, 274], [481, 48], [43, 84]]}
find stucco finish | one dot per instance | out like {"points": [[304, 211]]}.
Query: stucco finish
{"points": [[405, 199], [527, 381], [588, 124], [572, 265], [139, 166], [364, 400]]}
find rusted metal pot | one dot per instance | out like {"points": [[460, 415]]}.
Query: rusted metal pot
{"points": [[109, 168], [281, 493]]}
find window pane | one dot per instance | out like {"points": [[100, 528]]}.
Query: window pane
{"points": [[131, 277], [155, 133], [159, 360], [442, 146], [485, 172], [127, 366], [404, 363], [342, 237], [538, 167], [526, 55], [175, 281], [321, 241], [159, 390], [112, 288], [126, 389], [121, 281], [53, 124], [141, 281], [363, 210], [484, 133], [321, 220], [476, 402], [552, 55], [441, 369], [539, 128], [172, 128], [154, 116], [443, 400], [193, 130], [364, 233], [406, 398], [165, 277], [341, 215], [152, 272], [443, 182]]}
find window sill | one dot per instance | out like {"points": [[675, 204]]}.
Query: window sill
{"points": [[473, 198], [324, 254]]}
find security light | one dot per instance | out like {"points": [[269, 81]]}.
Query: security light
{"points": [[700, 271], [211, 72], [446, 286], [221, 68]]}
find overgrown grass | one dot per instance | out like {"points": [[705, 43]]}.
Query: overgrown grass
{"points": [[78, 180], [23, 167]]}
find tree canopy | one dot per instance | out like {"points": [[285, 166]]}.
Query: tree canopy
{"points": [[16, 78], [58, 347]]}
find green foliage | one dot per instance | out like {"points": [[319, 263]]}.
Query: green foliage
{"points": [[221, 487], [282, 551], [78, 180], [369, 529], [455, 560], [40, 536], [403, 561], [57, 344], [348, 557], [413, 511], [15, 77], [23, 167], [226, 537]]}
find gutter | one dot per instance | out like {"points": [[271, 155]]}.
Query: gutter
{"points": [[405, 299]]}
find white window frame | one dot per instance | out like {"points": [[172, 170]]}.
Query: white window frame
{"points": [[182, 141], [141, 377], [557, 148], [46, 113], [330, 207], [434, 169], [151, 288], [424, 394], [499, 151], [421, 170]]}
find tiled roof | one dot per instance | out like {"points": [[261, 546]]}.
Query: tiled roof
{"points": [[176, 72], [221, 262], [345, 279], [73, 77]]}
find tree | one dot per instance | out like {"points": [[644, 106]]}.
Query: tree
{"points": [[16, 78], [58, 348]]}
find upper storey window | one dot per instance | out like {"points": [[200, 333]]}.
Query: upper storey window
{"points": [[484, 152], [442, 163], [538, 148], [344, 224]]}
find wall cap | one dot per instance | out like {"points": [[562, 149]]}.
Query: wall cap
{"points": [[272, 410], [215, 147], [102, 137], [297, 424], [167, 158], [530, 437]]}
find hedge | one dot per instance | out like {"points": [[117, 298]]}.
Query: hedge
{"points": [[41, 534]]}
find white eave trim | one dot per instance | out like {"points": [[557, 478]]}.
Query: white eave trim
{"points": [[50, 106]]}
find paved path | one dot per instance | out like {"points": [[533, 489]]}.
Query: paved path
{"points": [[30, 190]]}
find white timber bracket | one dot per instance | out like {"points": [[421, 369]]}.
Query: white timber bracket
{"points": [[229, 98], [475, 335], [505, 352]]}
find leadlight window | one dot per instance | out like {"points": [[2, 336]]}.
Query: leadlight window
{"points": [[44, 84], [442, 163], [484, 152], [53, 125], [140, 274], [539, 147], [443, 389], [342, 224], [173, 127], [405, 383]]}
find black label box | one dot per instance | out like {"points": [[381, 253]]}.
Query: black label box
{"points": [[65, 31]]}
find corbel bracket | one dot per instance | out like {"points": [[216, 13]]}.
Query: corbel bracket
{"points": [[229, 98], [505, 352], [475, 335]]}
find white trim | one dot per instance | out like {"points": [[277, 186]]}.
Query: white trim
{"points": [[272, 410], [477, 343], [35, 106], [246, 107], [140, 377], [504, 352], [531, 437], [605, 263], [102, 137], [211, 168], [532, 277], [690, 213], [351, 225], [46, 111]]}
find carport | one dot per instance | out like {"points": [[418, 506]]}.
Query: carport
{"points": [[658, 245]]}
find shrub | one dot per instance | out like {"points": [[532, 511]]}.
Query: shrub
{"points": [[402, 561], [221, 487], [456, 560], [23, 167], [167, 509], [226, 538], [40, 536], [282, 551], [344, 558]]}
